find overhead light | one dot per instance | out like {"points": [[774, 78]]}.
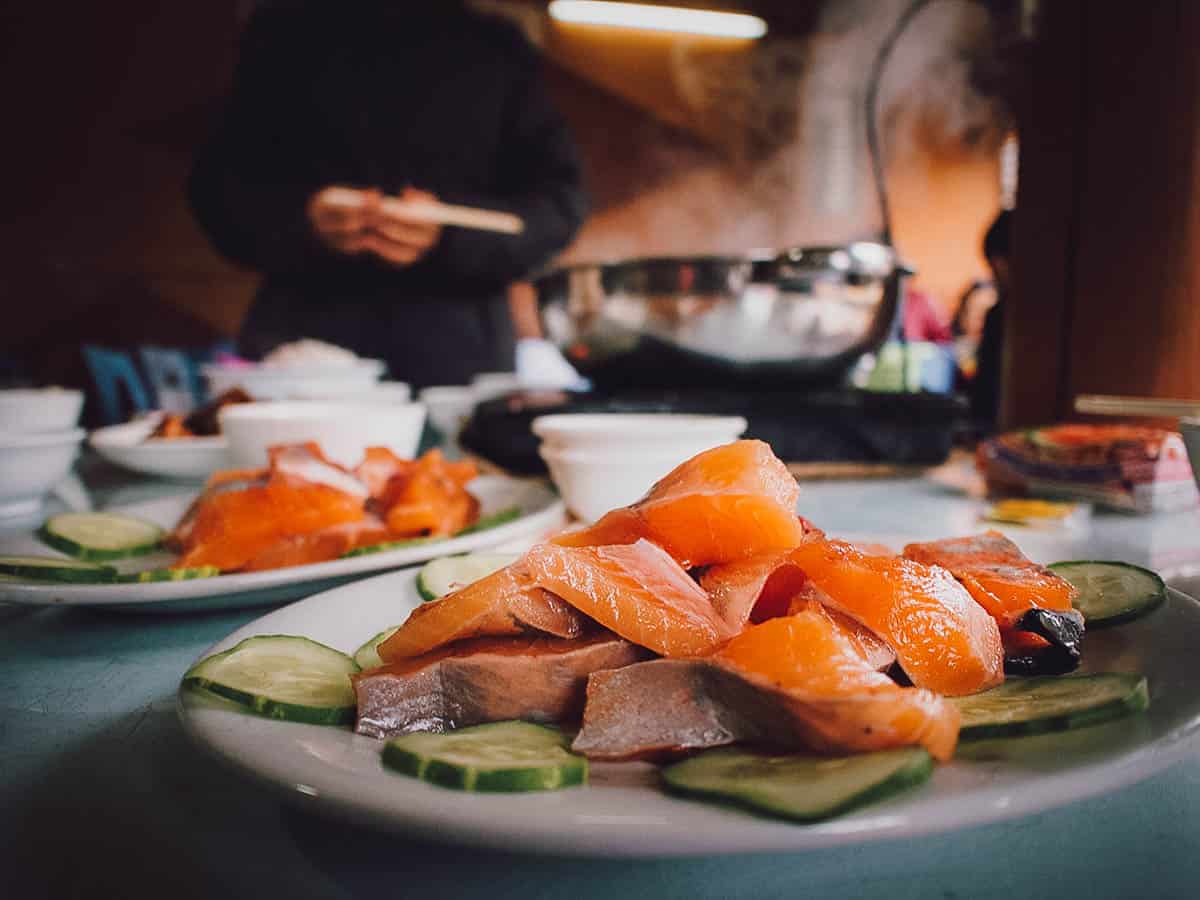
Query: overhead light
{"points": [[658, 18]]}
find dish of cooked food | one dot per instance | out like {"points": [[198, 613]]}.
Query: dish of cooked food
{"points": [[201, 422]]}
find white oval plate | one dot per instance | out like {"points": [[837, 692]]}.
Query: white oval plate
{"points": [[131, 447], [542, 512], [623, 813]]}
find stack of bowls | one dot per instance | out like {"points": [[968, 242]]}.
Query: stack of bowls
{"points": [[600, 461], [39, 442]]}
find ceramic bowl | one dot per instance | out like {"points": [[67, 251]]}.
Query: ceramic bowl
{"points": [[604, 461], [32, 464], [343, 430], [39, 409], [295, 382]]}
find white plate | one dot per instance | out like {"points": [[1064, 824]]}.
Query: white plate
{"points": [[622, 812], [131, 447], [542, 512]]}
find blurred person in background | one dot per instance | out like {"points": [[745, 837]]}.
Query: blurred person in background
{"points": [[967, 324], [376, 98], [984, 390]]}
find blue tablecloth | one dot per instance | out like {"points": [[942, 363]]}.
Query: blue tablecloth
{"points": [[102, 795]]}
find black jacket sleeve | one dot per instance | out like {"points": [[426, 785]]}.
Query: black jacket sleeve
{"points": [[250, 184], [542, 181]]}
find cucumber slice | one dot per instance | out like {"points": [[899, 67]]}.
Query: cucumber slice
{"points": [[500, 757], [281, 677], [367, 656], [1024, 706], [170, 574], [502, 517], [48, 568], [100, 536], [439, 577], [1112, 592], [802, 788]]}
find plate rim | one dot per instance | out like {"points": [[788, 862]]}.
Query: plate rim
{"points": [[992, 805]]}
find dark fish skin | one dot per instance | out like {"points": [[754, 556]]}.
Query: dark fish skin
{"points": [[540, 679]]}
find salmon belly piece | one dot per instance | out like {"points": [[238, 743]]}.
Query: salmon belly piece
{"points": [[731, 502], [538, 679], [506, 602], [794, 683], [1034, 608], [942, 638], [230, 529], [319, 546], [634, 590]]}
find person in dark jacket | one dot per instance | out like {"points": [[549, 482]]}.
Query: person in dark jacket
{"points": [[420, 101], [985, 387]]}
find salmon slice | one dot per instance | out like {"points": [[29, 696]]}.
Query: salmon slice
{"points": [[506, 602], [1033, 606], [306, 464], [807, 654], [764, 587], [539, 679], [794, 682], [635, 590], [232, 528], [727, 503], [429, 498], [943, 639], [327, 544], [379, 466]]}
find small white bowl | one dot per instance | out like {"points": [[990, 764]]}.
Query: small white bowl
{"points": [[32, 464], [39, 409], [131, 447], [654, 432], [295, 382], [343, 430], [487, 385], [449, 406], [385, 393], [592, 482]]}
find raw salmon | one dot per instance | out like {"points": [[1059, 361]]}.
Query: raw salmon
{"points": [[232, 528], [379, 466], [943, 639], [305, 464], [793, 682], [1033, 606], [635, 590], [319, 546], [430, 498], [764, 587], [539, 679], [727, 503], [506, 602]]}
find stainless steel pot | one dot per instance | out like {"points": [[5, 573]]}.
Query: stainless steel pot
{"points": [[794, 318]]}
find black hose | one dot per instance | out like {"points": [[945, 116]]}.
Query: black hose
{"points": [[872, 98]]}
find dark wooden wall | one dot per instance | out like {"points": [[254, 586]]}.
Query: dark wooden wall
{"points": [[1108, 220]]}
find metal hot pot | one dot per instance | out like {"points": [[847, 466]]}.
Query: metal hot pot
{"points": [[800, 317]]}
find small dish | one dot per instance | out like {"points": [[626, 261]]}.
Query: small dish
{"points": [[343, 430], [188, 458], [31, 465], [449, 406], [39, 409], [592, 482], [689, 434]]}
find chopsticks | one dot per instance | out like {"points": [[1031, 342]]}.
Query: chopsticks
{"points": [[1111, 405], [461, 216], [436, 213]]}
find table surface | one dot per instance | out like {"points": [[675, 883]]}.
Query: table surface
{"points": [[102, 795]]}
